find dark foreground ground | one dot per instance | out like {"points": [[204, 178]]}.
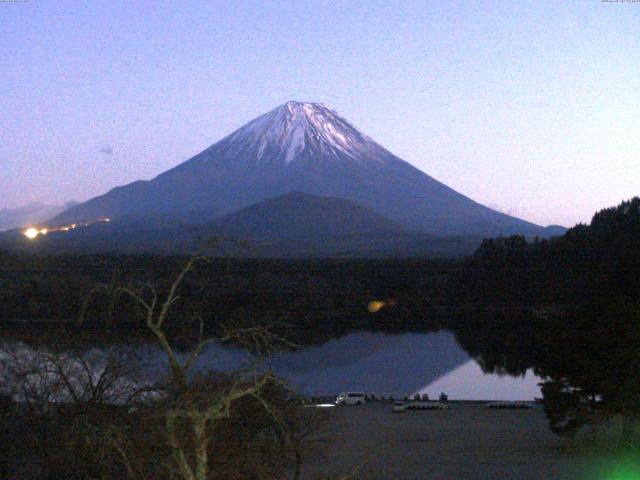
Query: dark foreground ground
{"points": [[468, 441]]}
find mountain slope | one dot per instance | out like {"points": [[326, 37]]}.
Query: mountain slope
{"points": [[299, 214], [294, 225], [31, 214], [302, 147], [301, 225]]}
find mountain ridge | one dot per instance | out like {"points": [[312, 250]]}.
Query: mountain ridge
{"points": [[294, 225], [306, 147], [289, 216], [30, 214]]}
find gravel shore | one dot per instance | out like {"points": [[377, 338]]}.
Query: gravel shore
{"points": [[468, 441]]}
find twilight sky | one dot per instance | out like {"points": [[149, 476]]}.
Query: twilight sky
{"points": [[530, 107]]}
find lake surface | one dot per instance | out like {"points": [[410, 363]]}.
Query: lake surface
{"points": [[385, 364]]}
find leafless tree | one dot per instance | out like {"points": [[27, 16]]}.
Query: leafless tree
{"points": [[64, 400], [41, 379], [97, 415], [195, 409]]}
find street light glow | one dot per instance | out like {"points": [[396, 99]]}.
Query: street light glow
{"points": [[31, 233]]}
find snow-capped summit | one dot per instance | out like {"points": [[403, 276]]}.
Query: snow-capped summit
{"points": [[295, 130], [300, 147]]}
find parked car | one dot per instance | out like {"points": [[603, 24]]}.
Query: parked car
{"points": [[398, 407], [351, 398]]}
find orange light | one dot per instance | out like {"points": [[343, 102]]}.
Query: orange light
{"points": [[375, 306]]}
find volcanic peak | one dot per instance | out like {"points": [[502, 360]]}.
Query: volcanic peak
{"points": [[295, 127]]}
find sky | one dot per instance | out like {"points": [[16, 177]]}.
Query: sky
{"points": [[529, 107]]}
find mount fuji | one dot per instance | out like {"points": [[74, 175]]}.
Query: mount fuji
{"points": [[299, 147]]}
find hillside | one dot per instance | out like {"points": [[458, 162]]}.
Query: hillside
{"points": [[294, 225], [300, 147]]}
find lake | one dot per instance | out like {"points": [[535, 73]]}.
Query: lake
{"points": [[385, 364]]}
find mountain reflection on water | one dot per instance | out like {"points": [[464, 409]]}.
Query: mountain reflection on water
{"points": [[385, 364]]}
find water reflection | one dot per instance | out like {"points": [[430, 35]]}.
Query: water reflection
{"points": [[469, 382], [387, 365], [371, 362]]}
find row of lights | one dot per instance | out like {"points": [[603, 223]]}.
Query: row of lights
{"points": [[32, 233]]}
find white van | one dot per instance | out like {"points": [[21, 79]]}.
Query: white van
{"points": [[351, 398]]}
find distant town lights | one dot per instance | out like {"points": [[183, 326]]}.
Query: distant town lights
{"points": [[32, 233]]}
